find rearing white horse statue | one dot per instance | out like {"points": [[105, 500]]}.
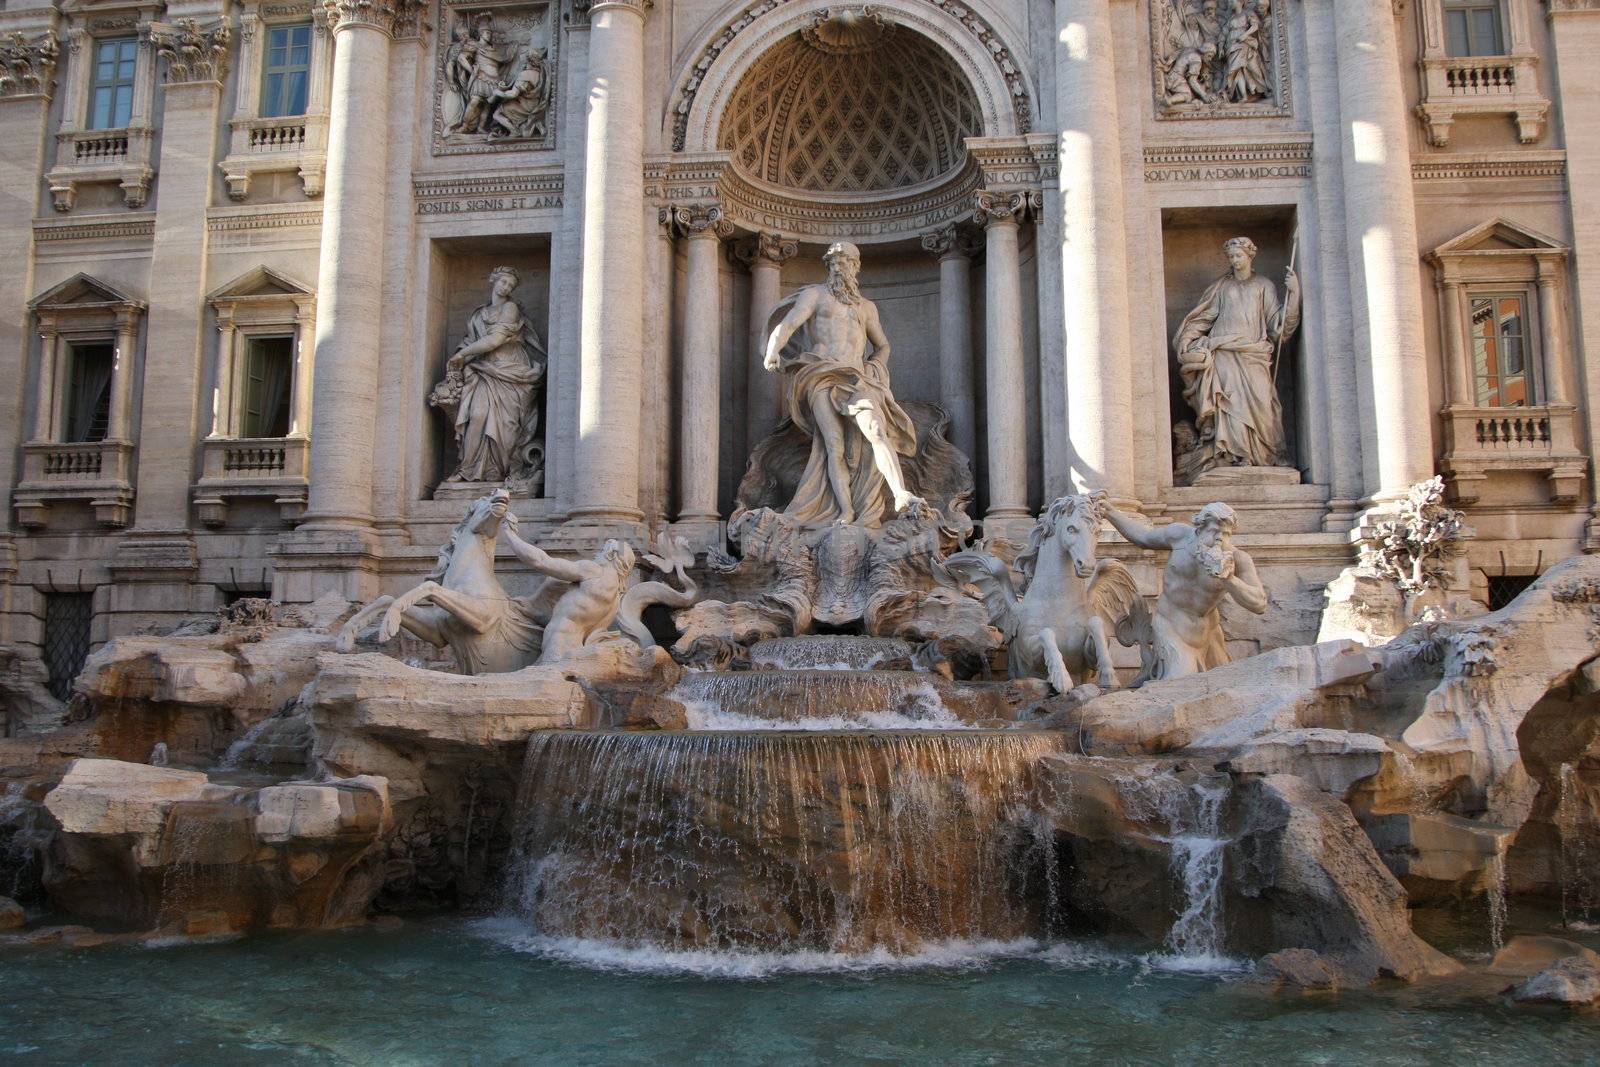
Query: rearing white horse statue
{"points": [[1071, 604]]}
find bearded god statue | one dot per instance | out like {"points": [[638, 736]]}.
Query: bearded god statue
{"points": [[1228, 349], [830, 345]]}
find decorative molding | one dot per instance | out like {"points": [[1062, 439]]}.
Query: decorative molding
{"points": [[263, 219], [1229, 63], [469, 194], [1245, 161], [1491, 166], [28, 68], [93, 229], [192, 54], [990, 44], [1564, 7]]}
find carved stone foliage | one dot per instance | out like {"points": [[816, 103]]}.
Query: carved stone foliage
{"points": [[1413, 548], [768, 246], [495, 78], [190, 53], [28, 68], [990, 207], [402, 18], [1219, 58], [851, 108]]}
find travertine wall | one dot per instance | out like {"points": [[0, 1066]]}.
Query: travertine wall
{"points": [[1119, 204]]}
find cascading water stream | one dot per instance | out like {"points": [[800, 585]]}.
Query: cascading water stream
{"points": [[830, 700], [1197, 853], [851, 842]]}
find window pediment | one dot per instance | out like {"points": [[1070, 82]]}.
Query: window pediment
{"points": [[84, 293]]}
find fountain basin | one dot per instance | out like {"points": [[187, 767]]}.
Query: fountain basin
{"points": [[820, 699]]}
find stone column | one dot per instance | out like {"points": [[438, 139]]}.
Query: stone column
{"points": [[1552, 338], [1000, 215], [1575, 34], [1380, 218], [765, 253], [300, 402], [700, 390], [1094, 253], [606, 472], [1458, 382], [119, 427], [344, 427], [24, 109], [954, 248], [170, 412], [45, 405]]}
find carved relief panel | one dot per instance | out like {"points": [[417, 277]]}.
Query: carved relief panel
{"points": [[1219, 58], [495, 77]]}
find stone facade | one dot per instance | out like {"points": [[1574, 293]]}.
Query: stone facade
{"points": [[216, 208]]}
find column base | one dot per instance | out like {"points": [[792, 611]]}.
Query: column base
{"points": [[585, 532], [701, 531], [1013, 524], [326, 558]]}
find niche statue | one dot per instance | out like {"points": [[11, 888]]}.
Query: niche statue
{"points": [[1227, 357], [491, 392]]}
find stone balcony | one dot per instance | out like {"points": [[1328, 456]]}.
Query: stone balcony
{"points": [[274, 468], [99, 472], [260, 146], [83, 156], [1482, 441], [1453, 86]]}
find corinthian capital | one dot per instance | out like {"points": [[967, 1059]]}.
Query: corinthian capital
{"points": [[693, 220], [950, 241], [192, 53], [28, 68], [765, 247], [583, 10], [399, 18]]}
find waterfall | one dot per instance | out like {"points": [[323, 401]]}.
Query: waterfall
{"points": [[833, 700], [236, 751], [1495, 891], [1197, 851], [1576, 877], [829, 652], [834, 842]]}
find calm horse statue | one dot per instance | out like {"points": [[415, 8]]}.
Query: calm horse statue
{"points": [[1071, 605], [461, 604]]}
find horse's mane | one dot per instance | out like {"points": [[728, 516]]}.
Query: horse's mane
{"points": [[1045, 528], [1042, 531], [447, 551]]}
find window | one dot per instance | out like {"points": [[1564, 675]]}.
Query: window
{"points": [[268, 375], [66, 638], [286, 70], [1472, 28], [89, 391], [1504, 588], [111, 90], [1500, 339]]}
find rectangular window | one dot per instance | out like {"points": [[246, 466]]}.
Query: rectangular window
{"points": [[1473, 28], [268, 376], [1500, 354], [111, 90], [286, 70], [89, 390]]}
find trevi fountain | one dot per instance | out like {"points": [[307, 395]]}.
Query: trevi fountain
{"points": [[619, 532]]}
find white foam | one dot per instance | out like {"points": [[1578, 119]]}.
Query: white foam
{"points": [[706, 716], [1208, 963], [750, 964]]}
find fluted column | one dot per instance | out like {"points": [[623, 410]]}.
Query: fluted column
{"points": [[350, 271], [765, 253], [1380, 217], [700, 421], [1000, 215], [954, 247], [1094, 253], [611, 337]]}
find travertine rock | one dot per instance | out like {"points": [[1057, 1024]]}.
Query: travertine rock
{"points": [[26, 705], [1305, 875], [1574, 981], [1528, 954], [11, 914], [1298, 968]]}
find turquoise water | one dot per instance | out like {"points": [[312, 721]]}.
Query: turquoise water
{"points": [[461, 992]]}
